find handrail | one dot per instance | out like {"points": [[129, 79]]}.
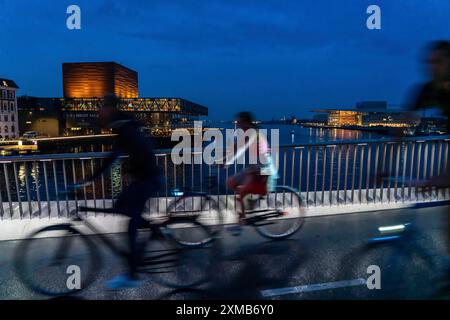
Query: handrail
{"points": [[164, 152]]}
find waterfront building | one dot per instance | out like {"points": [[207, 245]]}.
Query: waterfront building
{"points": [[9, 128], [97, 79], [66, 116], [367, 114], [85, 85]]}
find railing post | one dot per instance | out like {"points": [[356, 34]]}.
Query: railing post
{"points": [[404, 160], [347, 155], [330, 190], [374, 185], [339, 175], [324, 167], [419, 156], [315, 174], [361, 167], [369, 154], [397, 168], [308, 165], [353, 173], [16, 179], [8, 190]]}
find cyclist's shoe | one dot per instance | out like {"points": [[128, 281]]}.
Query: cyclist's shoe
{"points": [[123, 282], [235, 230]]}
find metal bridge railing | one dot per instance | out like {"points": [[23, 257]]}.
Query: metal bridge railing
{"points": [[325, 174]]}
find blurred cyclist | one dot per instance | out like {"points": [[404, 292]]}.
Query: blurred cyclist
{"points": [[256, 178], [145, 180], [436, 93]]}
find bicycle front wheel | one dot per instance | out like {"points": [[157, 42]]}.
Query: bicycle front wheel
{"points": [[285, 213], [57, 261], [203, 208]]}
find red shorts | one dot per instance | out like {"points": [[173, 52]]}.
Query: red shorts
{"points": [[249, 181]]}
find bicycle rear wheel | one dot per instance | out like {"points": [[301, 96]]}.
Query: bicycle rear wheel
{"points": [[57, 261], [204, 208], [285, 212], [179, 266]]}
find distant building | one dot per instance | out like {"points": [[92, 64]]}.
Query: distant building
{"points": [[85, 85], [344, 118], [388, 119], [367, 114], [66, 117], [42, 115], [9, 128], [97, 79]]}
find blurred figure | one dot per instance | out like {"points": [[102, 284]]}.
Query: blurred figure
{"points": [[436, 93], [254, 178], [145, 178]]}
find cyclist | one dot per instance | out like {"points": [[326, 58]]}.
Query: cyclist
{"points": [[258, 176], [145, 180], [436, 93]]}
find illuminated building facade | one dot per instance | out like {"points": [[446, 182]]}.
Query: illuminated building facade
{"points": [[368, 114], [97, 79], [62, 116], [344, 118], [158, 115], [85, 85], [9, 128], [389, 119]]}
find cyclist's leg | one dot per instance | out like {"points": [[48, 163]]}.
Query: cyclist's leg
{"points": [[132, 203], [254, 184], [236, 183]]}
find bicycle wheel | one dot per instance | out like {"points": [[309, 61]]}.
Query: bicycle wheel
{"points": [[57, 261], [285, 213], [174, 265], [204, 208]]}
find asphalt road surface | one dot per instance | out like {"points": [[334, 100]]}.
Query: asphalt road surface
{"points": [[327, 259]]}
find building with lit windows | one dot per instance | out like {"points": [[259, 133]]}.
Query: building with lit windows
{"points": [[344, 118], [367, 114], [97, 79], [9, 128], [85, 85]]}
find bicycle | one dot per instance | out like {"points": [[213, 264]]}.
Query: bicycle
{"points": [[70, 248], [276, 215]]}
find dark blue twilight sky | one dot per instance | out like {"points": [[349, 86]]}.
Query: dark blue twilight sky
{"points": [[272, 57]]}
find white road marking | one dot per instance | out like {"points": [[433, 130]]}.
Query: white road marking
{"points": [[313, 287]]}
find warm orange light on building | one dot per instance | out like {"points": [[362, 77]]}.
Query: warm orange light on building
{"points": [[344, 118], [97, 79]]}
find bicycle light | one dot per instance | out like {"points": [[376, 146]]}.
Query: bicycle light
{"points": [[392, 229]]}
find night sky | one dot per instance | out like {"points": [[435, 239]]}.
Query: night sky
{"points": [[274, 58]]}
